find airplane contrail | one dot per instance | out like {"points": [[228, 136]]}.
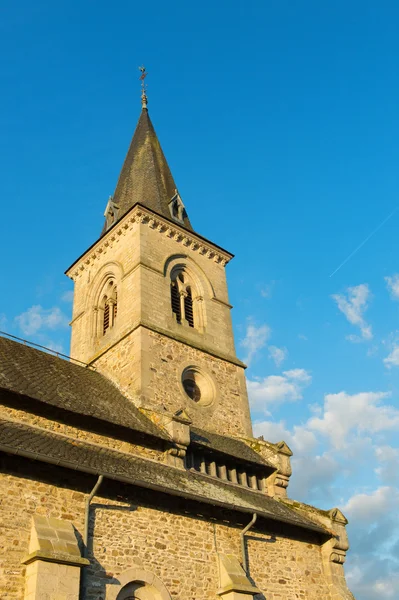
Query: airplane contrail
{"points": [[365, 241]]}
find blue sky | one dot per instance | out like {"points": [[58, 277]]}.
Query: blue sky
{"points": [[280, 123]]}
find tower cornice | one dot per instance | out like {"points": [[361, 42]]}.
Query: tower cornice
{"points": [[141, 214]]}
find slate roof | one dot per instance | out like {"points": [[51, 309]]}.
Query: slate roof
{"points": [[68, 386], [145, 177], [227, 445], [33, 442]]}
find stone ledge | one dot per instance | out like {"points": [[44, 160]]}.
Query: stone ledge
{"points": [[52, 557], [243, 589]]}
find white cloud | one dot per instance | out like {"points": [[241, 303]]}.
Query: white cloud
{"points": [[370, 507], [374, 538], [278, 354], [392, 360], [388, 458], [272, 431], [393, 285], [267, 290], [255, 339], [277, 389], [372, 577], [344, 413], [36, 319], [313, 475], [67, 296], [300, 440], [353, 305]]}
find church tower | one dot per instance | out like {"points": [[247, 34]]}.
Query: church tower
{"points": [[151, 308]]}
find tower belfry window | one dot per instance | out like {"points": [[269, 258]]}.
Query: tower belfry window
{"points": [[175, 300], [106, 317], [109, 305], [188, 307], [182, 299]]}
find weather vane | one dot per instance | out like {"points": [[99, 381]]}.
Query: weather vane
{"points": [[143, 86]]}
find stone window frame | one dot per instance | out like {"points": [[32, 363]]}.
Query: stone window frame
{"points": [[110, 272], [199, 285], [107, 307], [151, 586], [183, 293]]}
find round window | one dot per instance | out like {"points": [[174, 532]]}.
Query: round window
{"points": [[198, 385]]}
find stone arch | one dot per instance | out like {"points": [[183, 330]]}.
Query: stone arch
{"points": [[196, 273], [138, 583], [101, 298], [190, 290]]}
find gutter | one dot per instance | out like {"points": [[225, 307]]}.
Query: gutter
{"points": [[152, 486]]}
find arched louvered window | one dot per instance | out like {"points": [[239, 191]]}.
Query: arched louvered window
{"points": [[106, 316], [182, 299], [188, 307], [109, 306], [175, 300], [115, 307]]}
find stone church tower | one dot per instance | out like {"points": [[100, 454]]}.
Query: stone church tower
{"points": [[130, 471], [151, 309]]}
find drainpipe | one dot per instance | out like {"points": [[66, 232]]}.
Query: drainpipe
{"points": [[242, 534], [87, 511], [86, 534]]}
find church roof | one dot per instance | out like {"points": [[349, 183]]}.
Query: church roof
{"points": [[34, 442], [71, 387], [68, 386], [145, 177], [223, 444]]}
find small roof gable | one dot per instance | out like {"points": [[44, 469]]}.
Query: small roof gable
{"points": [[68, 386], [229, 446], [145, 177]]}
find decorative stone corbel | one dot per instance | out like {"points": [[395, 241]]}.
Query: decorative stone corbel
{"points": [[334, 554], [234, 583], [54, 560], [278, 455], [284, 472], [178, 427], [340, 543]]}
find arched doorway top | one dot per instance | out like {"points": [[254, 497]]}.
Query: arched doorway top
{"points": [[147, 585]]}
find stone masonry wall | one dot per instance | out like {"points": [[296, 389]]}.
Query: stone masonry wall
{"points": [[179, 547], [157, 380], [140, 258]]}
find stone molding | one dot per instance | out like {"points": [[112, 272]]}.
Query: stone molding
{"points": [[53, 540], [54, 560], [173, 336], [54, 557], [234, 582], [138, 574], [144, 216]]}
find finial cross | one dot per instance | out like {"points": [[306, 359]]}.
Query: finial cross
{"points": [[143, 86]]}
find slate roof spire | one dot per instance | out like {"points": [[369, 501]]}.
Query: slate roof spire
{"points": [[145, 177]]}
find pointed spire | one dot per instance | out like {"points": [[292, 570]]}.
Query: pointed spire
{"points": [[145, 177]]}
